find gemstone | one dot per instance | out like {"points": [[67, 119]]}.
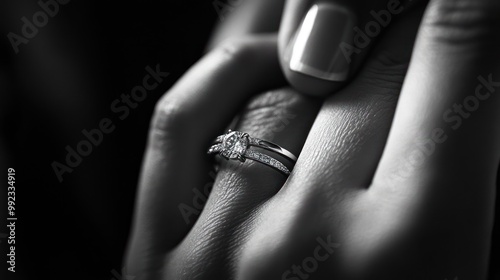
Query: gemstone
{"points": [[235, 144]]}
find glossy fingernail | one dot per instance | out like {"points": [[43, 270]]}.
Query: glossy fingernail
{"points": [[317, 47]]}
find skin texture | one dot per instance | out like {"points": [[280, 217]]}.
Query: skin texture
{"points": [[356, 183]]}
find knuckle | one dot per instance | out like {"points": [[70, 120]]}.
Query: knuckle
{"points": [[463, 22], [238, 48], [385, 73], [271, 112], [168, 117]]}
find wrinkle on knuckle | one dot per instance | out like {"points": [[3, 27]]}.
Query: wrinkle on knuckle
{"points": [[271, 99], [266, 120], [273, 111], [386, 73], [462, 23]]}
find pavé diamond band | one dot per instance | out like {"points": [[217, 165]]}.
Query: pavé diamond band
{"points": [[236, 145]]}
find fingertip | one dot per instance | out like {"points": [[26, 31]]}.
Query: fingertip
{"points": [[310, 39], [309, 85], [322, 44], [317, 47]]}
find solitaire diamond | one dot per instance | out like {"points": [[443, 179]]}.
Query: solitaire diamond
{"points": [[235, 144]]}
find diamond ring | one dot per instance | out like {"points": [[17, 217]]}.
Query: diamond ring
{"points": [[236, 145]]}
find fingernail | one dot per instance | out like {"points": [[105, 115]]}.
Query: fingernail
{"points": [[316, 49]]}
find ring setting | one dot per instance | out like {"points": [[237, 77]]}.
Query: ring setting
{"points": [[236, 145]]}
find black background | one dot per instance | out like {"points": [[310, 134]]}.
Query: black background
{"points": [[63, 81]]}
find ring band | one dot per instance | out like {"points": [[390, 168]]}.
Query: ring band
{"points": [[236, 145]]}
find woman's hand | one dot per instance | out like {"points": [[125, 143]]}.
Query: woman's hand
{"points": [[360, 204]]}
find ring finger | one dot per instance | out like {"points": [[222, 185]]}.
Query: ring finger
{"points": [[282, 116]]}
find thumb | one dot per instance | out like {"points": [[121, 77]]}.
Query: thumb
{"points": [[322, 43]]}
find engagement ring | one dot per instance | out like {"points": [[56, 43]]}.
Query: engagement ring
{"points": [[236, 145]]}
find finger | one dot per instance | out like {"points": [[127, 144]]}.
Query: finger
{"points": [[447, 118], [282, 116], [186, 121], [323, 43], [440, 162], [337, 162], [349, 134], [245, 17]]}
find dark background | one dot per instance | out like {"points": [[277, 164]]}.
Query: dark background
{"points": [[63, 81]]}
